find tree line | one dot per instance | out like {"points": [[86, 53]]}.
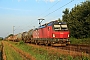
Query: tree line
{"points": [[78, 20], [1, 38]]}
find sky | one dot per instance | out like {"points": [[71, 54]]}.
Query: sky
{"points": [[23, 15]]}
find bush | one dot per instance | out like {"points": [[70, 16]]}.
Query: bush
{"points": [[21, 42]]}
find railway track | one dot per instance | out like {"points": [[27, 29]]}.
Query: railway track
{"points": [[74, 47], [77, 48]]}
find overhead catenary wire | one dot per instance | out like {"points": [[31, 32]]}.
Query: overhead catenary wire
{"points": [[50, 7], [58, 8]]}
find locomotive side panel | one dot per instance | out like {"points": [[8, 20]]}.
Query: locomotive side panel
{"points": [[40, 32], [44, 32], [49, 32]]}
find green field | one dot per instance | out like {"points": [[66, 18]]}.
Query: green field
{"points": [[42, 54]]}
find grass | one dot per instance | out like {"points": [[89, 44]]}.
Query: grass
{"points": [[42, 54], [11, 54], [80, 41]]}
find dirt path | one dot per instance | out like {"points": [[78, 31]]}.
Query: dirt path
{"points": [[24, 55], [4, 55], [1, 50]]}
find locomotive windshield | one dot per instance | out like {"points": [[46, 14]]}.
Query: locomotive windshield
{"points": [[60, 27], [64, 27], [57, 27]]}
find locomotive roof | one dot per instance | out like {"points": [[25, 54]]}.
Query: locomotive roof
{"points": [[51, 23], [42, 26]]}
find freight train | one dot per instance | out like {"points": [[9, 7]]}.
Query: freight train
{"points": [[52, 33]]}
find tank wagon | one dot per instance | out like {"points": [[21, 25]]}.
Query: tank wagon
{"points": [[12, 38], [52, 33], [19, 37], [30, 36], [24, 36]]}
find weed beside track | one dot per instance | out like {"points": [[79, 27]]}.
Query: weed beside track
{"points": [[47, 53]]}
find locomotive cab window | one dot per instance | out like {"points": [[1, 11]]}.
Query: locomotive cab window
{"points": [[57, 27], [64, 27], [60, 27]]}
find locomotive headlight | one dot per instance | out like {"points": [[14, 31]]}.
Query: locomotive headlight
{"points": [[53, 35], [68, 35]]}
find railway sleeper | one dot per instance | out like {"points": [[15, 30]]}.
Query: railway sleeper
{"points": [[58, 44]]}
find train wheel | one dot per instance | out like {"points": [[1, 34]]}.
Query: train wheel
{"points": [[51, 44], [68, 42], [36, 42], [46, 44]]}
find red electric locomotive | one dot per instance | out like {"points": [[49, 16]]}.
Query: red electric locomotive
{"points": [[53, 33]]}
